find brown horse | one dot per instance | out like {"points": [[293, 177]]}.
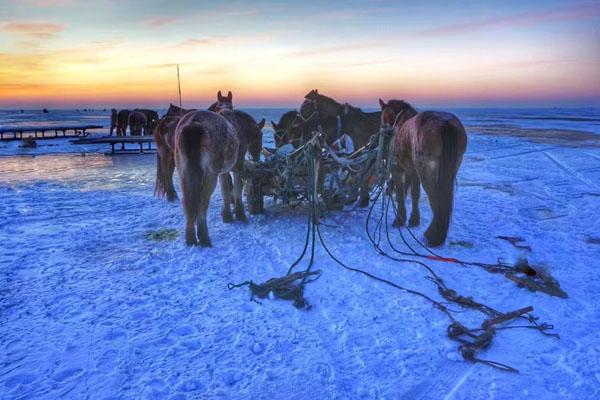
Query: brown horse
{"points": [[137, 121], [280, 130], [427, 149], [249, 134], [335, 119], [122, 121], [206, 147], [113, 120], [151, 120], [222, 103], [164, 136]]}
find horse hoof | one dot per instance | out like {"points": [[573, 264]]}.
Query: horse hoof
{"points": [[227, 218], [414, 222], [171, 197], [205, 243], [241, 217], [363, 202], [398, 223], [432, 241]]}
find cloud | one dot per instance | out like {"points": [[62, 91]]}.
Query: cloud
{"points": [[160, 21], [45, 3], [331, 50], [529, 18], [195, 42], [38, 30]]}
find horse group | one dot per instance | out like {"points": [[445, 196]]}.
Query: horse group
{"points": [[141, 121], [210, 145]]}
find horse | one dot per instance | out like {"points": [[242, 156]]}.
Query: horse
{"points": [[113, 120], [223, 102], [122, 121], [151, 120], [249, 134], [427, 149], [206, 148], [280, 130], [137, 121], [248, 131], [335, 119]]}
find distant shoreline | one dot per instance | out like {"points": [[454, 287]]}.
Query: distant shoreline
{"points": [[563, 137]]}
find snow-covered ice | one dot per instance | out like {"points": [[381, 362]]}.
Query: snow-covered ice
{"points": [[90, 308]]}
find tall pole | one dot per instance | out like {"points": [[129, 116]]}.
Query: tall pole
{"points": [[179, 86]]}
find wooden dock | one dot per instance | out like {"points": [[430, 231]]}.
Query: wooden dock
{"points": [[45, 132], [117, 143]]}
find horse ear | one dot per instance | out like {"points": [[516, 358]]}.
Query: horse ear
{"points": [[274, 125], [261, 124], [382, 104], [230, 96], [219, 96]]}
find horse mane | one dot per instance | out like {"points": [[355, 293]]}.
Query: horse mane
{"points": [[323, 98], [287, 117], [401, 105]]}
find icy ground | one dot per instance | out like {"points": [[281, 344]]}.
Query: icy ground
{"points": [[90, 308]]}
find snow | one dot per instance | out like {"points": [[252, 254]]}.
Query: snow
{"points": [[90, 308]]}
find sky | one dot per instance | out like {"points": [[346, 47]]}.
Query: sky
{"points": [[109, 53]]}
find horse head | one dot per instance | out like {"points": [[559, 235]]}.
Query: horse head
{"points": [[224, 102], [255, 145], [395, 112]]}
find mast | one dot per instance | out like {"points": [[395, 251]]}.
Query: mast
{"points": [[179, 86]]}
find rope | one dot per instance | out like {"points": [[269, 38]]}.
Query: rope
{"points": [[471, 340]]}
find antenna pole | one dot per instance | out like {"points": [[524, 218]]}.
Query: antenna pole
{"points": [[179, 86]]}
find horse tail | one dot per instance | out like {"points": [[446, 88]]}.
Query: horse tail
{"points": [[446, 175], [192, 174]]}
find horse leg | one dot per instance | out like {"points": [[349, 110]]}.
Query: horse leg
{"points": [[440, 199], [209, 183], [226, 188], [190, 205], [400, 186], [415, 194], [238, 185], [168, 170], [363, 201]]}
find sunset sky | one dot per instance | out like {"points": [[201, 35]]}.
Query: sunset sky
{"points": [[76, 53]]}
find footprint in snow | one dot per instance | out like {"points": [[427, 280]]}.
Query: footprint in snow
{"points": [[19, 379], [66, 374]]}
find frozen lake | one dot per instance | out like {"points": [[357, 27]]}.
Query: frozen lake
{"points": [[90, 308]]}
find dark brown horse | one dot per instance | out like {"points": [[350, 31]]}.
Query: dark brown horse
{"points": [[122, 121], [335, 119], [206, 147], [151, 120], [249, 134], [427, 149], [164, 136], [113, 120], [280, 129], [137, 121]]}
